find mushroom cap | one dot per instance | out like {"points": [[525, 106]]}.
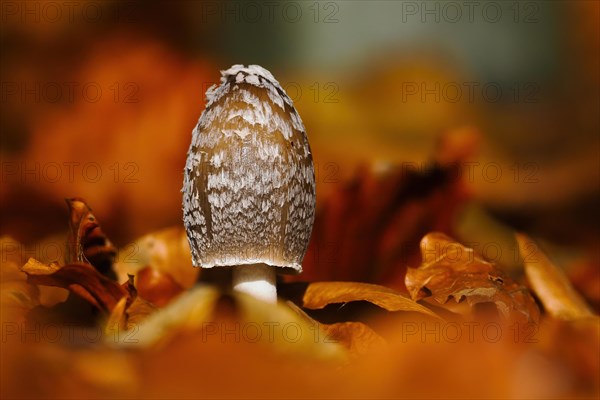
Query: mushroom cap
{"points": [[249, 182]]}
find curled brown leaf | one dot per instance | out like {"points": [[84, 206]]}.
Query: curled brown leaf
{"points": [[166, 251], [450, 269], [81, 279], [550, 283], [375, 244], [157, 287], [318, 295], [86, 243]]}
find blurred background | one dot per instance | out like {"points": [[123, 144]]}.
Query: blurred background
{"points": [[476, 119]]}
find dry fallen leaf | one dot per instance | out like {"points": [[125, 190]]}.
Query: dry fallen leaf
{"points": [[17, 296], [94, 286], [550, 283], [157, 287], [369, 228], [126, 317], [357, 337], [450, 269], [254, 339], [166, 251], [236, 317], [81, 279], [86, 243], [317, 295], [339, 323]]}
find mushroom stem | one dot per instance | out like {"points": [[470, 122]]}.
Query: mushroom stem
{"points": [[257, 280]]}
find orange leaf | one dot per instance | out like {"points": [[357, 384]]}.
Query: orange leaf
{"points": [[357, 337], [450, 269], [166, 251], [82, 280], [368, 228], [17, 296], [317, 295], [156, 286], [86, 243], [550, 283]]}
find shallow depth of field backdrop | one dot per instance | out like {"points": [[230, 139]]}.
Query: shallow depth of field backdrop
{"points": [[99, 98]]}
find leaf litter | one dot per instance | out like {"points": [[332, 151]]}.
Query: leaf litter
{"points": [[162, 308]]}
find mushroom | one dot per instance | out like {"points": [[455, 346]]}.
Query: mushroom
{"points": [[249, 182]]}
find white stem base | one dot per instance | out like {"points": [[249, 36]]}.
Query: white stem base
{"points": [[257, 280]]}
